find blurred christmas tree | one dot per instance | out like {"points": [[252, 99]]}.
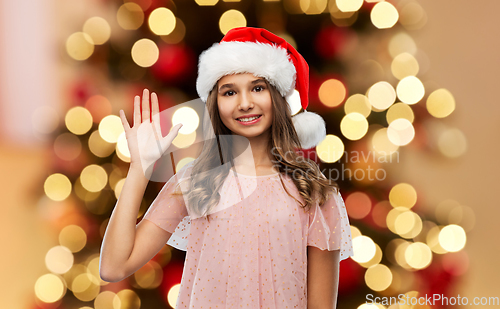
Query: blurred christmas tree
{"points": [[366, 75]]}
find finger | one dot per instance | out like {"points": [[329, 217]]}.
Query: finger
{"points": [[145, 105], [137, 110], [167, 140], [155, 107], [125, 124]]}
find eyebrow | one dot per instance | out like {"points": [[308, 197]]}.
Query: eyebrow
{"points": [[229, 85]]}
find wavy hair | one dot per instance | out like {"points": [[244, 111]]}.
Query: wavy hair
{"points": [[207, 177]]}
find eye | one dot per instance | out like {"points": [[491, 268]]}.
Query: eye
{"points": [[259, 88], [228, 93]]}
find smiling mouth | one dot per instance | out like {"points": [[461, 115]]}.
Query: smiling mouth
{"points": [[245, 119]]}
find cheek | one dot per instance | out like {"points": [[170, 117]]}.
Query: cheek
{"points": [[224, 111], [267, 104]]}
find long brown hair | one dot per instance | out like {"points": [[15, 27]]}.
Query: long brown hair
{"points": [[283, 145]]}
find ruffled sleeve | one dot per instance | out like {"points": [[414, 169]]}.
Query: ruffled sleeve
{"points": [[169, 211], [329, 226]]}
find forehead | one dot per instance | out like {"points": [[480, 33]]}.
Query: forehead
{"points": [[238, 78]]}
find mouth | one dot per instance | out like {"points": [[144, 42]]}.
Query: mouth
{"points": [[249, 120]]}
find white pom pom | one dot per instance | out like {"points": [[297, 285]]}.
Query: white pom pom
{"points": [[310, 127]]}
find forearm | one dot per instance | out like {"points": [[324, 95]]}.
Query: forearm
{"points": [[119, 237]]}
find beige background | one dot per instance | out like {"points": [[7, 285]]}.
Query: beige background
{"points": [[460, 40]]}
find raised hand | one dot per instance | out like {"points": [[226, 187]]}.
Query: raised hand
{"points": [[145, 141]]}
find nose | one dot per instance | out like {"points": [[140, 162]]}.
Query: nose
{"points": [[246, 101]]}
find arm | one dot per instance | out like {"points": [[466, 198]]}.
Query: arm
{"points": [[322, 278], [127, 247]]}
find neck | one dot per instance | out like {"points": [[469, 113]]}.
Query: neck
{"points": [[251, 152]]}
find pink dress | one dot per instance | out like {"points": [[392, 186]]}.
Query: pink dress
{"points": [[253, 252]]}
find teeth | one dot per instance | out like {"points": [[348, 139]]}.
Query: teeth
{"points": [[248, 119]]}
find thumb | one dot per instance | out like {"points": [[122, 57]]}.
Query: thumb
{"points": [[167, 140]]}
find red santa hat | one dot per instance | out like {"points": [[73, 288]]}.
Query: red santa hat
{"points": [[264, 54]]}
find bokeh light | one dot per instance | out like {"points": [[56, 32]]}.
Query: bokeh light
{"points": [[399, 110], [312, 7], [410, 90], [400, 43], [403, 195], [110, 128], [162, 21], [93, 178], [382, 145], [349, 5], [145, 53], [452, 238], [80, 46], [231, 19], [57, 187], [73, 237], [340, 18], [432, 240], [130, 16], [354, 126], [331, 149], [189, 119], [440, 103], [172, 295], [355, 232], [184, 140], [400, 132], [358, 103], [452, 143], [418, 255], [408, 224], [332, 92], [404, 65], [384, 15], [206, 3], [358, 205], [78, 120], [59, 259], [122, 148], [376, 258], [105, 299], [129, 299], [85, 287], [392, 216], [381, 95], [378, 277], [98, 146], [49, 288], [364, 249], [149, 276], [412, 16], [98, 29]]}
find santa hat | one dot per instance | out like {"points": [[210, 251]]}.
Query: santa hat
{"points": [[264, 54]]}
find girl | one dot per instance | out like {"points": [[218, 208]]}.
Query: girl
{"points": [[261, 224]]}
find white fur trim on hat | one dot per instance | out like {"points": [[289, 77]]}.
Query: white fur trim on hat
{"points": [[260, 59], [310, 127]]}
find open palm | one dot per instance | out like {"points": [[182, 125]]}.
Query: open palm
{"points": [[145, 141]]}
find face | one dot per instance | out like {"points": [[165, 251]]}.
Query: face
{"points": [[240, 97]]}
